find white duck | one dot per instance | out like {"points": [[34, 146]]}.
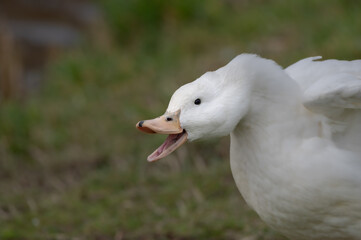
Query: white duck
{"points": [[295, 139]]}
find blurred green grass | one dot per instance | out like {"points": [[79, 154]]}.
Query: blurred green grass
{"points": [[72, 165]]}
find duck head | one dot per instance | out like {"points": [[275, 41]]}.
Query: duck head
{"points": [[210, 106]]}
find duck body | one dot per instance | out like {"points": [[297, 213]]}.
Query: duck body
{"points": [[295, 139], [291, 169], [304, 188]]}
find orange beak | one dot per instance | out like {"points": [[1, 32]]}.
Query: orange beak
{"points": [[166, 124]]}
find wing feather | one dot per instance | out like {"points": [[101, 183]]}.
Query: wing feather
{"points": [[333, 88], [329, 85]]}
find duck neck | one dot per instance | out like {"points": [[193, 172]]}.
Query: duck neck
{"points": [[275, 109], [273, 94], [273, 89], [263, 139]]}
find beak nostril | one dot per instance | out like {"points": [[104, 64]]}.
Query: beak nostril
{"points": [[169, 119]]}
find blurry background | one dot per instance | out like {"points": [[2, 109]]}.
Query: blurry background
{"points": [[75, 77]]}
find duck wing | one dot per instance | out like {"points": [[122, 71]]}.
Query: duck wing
{"points": [[341, 91], [333, 88], [328, 84]]}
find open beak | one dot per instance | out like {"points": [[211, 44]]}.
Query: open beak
{"points": [[166, 124]]}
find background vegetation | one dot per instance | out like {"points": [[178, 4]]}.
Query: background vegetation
{"points": [[73, 166]]}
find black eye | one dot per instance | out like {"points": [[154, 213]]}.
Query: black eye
{"points": [[197, 101]]}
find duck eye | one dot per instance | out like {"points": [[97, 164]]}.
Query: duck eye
{"points": [[197, 101]]}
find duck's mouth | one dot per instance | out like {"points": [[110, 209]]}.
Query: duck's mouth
{"points": [[171, 143], [166, 124]]}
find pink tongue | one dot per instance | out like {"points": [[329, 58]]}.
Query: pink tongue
{"points": [[171, 139]]}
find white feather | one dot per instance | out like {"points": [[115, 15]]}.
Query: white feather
{"points": [[299, 168]]}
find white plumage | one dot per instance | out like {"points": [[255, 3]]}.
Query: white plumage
{"points": [[295, 139], [299, 169]]}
